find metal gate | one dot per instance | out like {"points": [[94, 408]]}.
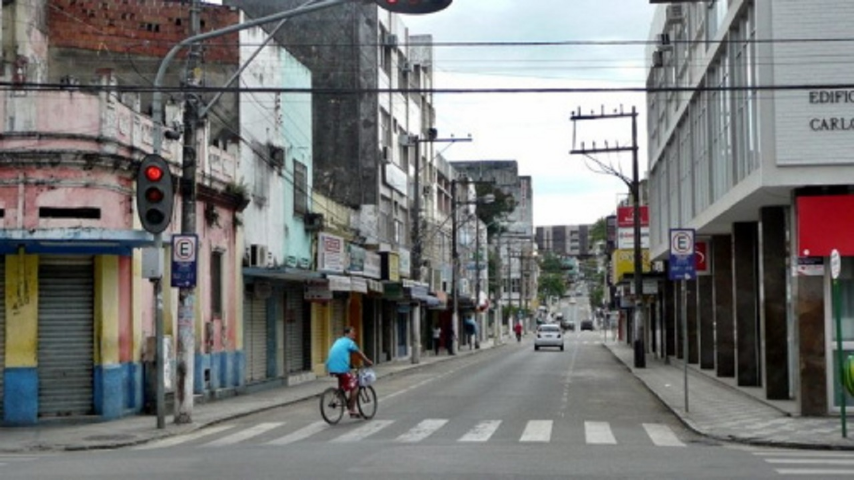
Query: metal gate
{"points": [[255, 337], [2, 330], [66, 336], [294, 329]]}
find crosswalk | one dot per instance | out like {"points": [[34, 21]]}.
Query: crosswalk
{"points": [[533, 431], [816, 464]]}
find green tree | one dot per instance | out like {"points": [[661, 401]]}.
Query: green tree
{"points": [[494, 214], [599, 230], [552, 281]]}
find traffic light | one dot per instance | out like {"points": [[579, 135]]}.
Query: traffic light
{"points": [[415, 7], [154, 194]]}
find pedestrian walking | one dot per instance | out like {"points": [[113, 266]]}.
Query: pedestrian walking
{"points": [[437, 338]]}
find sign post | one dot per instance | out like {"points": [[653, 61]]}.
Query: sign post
{"points": [[835, 267], [682, 266]]}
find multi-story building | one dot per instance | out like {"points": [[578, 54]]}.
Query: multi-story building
{"points": [[371, 137], [515, 243], [70, 265], [759, 162], [565, 240]]}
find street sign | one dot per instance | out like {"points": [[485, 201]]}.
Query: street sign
{"points": [[682, 265], [184, 264], [835, 263]]}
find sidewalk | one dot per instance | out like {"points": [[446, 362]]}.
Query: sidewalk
{"points": [[719, 409], [139, 429]]}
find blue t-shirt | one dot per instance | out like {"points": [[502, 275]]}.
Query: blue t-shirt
{"points": [[339, 355]]}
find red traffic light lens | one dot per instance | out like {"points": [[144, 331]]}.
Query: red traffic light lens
{"points": [[154, 195], [153, 173]]}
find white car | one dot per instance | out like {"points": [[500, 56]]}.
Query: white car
{"points": [[549, 335]]}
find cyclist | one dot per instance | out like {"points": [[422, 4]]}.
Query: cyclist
{"points": [[338, 365]]}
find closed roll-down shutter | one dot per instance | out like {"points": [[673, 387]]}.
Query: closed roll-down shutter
{"points": [[2, 330], [255, 340], [294, 329], [66, 336]]}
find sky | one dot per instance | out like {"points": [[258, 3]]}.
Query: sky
{"points": [[602, 47]]}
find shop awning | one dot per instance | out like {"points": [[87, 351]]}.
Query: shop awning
{"points": [[287, 274], [92, 241]]}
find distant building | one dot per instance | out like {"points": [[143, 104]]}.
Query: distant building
{"points": [[565, 240]]}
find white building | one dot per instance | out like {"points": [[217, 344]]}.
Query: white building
{"points": [[750, 144]]}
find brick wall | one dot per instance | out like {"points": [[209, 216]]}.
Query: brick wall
{"points": [[137, 27]]}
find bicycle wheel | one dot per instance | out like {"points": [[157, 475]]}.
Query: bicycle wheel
{"points": [[332, 405], [367, 402]]}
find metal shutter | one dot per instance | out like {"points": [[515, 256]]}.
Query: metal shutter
{"points": [[66, 336], [2, 330], [294, 329], [255, 338]]}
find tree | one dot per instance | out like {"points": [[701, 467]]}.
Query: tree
{"points": [[494, 214], [552, 281]]}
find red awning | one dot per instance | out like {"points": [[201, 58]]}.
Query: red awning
{"points": [[825, 223]]}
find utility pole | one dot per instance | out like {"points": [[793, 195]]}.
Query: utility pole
{"points": [[187, 295], [634, 189]]}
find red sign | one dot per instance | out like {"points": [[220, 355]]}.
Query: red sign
{"points": [[626, 216], [701, 262], [825, 223]]}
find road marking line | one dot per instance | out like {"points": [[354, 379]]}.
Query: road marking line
{"points": [[796, 453], [481, 432], [537, 431], [364, 431], [662, 435], [599, 433], [422, 430], [244, 434], [809, 461], [814, 472], [171, 442], [300, 434]]}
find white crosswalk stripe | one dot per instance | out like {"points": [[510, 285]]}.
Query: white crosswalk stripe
{"points": [[178, 440], [364, 431], [422, 431], [537, 431], [662, 435], [242, 435], [534, 431], [599, 433], [807, 463], [300, 434], [481, 432]]}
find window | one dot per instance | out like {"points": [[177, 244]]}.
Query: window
{"points": [[263, 173], [300, 189], [216, 284]]}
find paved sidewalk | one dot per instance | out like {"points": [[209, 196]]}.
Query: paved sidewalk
{"points": [[718, 409], [139, 429]]}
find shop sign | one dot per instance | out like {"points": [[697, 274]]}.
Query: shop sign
{"points": [[317, 290], [357, 259], [338, 283], [358, 285], [810, 267], [624, 263], [405, 263], [330, 253], [373, 265]]}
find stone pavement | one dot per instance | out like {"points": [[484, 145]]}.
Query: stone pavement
{"points": [[70, 435], [717, 408]]}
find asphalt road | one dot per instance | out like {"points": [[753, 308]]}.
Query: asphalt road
{"points": [[506, 413]]}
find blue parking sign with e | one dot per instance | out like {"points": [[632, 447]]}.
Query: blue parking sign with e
{"points": [[184, 265], [682, 264]]}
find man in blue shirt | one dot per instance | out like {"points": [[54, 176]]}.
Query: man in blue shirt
{"points": [[338, 365]]}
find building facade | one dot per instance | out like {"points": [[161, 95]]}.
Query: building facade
{"points": [[761, 171]]}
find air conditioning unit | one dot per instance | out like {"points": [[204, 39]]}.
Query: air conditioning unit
{"points": [[405, 66], [428, 189], [386, 154], [390, 40], [257, 255], [313, 222], [404, 139], [657, 59], [675, 13], [277, 156]]}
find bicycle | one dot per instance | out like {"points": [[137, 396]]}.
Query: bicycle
{"points": [[333, 400]]}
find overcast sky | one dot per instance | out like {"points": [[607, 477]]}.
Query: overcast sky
{"points": [[603, 48]]}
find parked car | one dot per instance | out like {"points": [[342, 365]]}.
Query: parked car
{"points": [[587, 324], [549, 335]]}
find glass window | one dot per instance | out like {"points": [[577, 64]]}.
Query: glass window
{"points": [[216, 284], [300, 189]]}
